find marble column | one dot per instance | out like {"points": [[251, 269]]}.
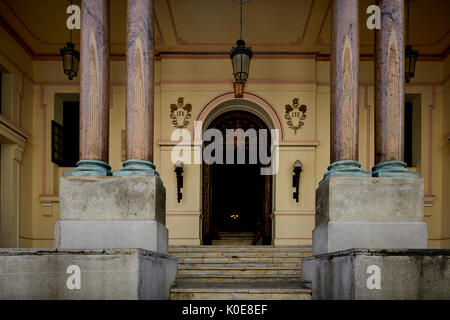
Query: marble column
{"points": [[389, 92], [94, 89], [140, 88], [344, 61]]}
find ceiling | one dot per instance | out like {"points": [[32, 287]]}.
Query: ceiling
{"points": [[213, 25]]}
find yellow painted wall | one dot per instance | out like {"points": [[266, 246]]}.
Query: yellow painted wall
{"points": [[200, 80]]}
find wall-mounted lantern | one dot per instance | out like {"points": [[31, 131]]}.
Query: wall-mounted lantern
{"points": [[179, 172], [298, 168]]}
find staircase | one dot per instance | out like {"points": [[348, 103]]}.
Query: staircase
{"points": [[228, 271], [236, 238]]}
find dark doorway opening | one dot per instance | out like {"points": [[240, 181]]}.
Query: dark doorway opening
{"points": [[236, 197], [66, 135]]}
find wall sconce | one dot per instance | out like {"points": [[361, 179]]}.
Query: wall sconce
{"points": [[298, 168], [179, 172]]}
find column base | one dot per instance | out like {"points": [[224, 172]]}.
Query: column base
{"points": [[392, 169], [137, 168], [90, 168], [344, 168]]}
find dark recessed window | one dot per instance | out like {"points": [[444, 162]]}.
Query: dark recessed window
{"points": [[66, 137], [412, 133]]}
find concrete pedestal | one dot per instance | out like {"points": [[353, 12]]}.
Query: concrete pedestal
{"points": [[148, 235], [101, 274], [379, 274], [336, 236], [376, 213], [112, 212]]}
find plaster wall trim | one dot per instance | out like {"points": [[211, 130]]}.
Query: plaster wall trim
{"points": [[282, 238], [194, 238], [430, 141], [32, 238], [206, 114], [438, 239]]}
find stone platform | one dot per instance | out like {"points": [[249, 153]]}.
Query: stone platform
{"points": [[112, 212], [104, 274], [364, 274], [377, 213]]}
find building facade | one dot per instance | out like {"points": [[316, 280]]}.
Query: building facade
{"points": [[290, 71]]}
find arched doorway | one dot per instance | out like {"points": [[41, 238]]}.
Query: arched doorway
{"points": [[236, 197]]}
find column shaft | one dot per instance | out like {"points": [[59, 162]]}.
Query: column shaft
{"points": [[94, 81], [389, 82], [140, 82], [344, 63], [389, 92], [344, 86]]}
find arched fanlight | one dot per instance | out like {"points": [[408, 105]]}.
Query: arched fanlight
{"points": [[70, 57], [240, 57], [410, 55]]}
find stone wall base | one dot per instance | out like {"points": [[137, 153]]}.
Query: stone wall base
{"points": [[403, 274], [104, 274]]}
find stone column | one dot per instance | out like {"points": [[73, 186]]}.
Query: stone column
{"points": [[344, 63], [94, 89], [140, 87], [389, 92]]}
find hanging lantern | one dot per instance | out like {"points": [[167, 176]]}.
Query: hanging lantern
{"points": [[70, 57], [410, 54], [410, 62], [240, 59]]}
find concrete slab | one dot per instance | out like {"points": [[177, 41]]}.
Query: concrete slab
{"points": [[336, 236], [379, 274], [103, 274], [148, 235]]}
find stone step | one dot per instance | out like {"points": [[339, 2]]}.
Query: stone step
{"points": [[239, 291], [238, 248], [239, 260], [236, 234], [239, 266], [240, 254], [239, 272], [232, 241], [241, 277]]}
